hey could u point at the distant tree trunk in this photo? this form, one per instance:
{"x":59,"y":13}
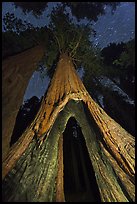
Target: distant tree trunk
{"x":16,"y":72}
{"x":111,"y":151}
{"x":118,"y":108}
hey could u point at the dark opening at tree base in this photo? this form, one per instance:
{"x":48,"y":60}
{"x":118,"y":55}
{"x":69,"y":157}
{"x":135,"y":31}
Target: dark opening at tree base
{"x":79,"y":178}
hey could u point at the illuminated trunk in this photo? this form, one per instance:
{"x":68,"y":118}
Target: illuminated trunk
{"x":59,"y":180}
{"x":32,"y":162}
{"x":16,"y":72}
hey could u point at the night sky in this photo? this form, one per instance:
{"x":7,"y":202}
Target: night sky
{"x":109,"y":28}
{"x":117,"y":27}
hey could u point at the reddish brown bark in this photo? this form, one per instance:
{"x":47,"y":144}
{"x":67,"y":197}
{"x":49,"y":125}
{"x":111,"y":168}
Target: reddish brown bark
{"x":16,"y":72}
{"x":60,"y":174}
{"x":119,"y":144}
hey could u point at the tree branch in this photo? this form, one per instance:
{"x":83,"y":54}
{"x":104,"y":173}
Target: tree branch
{"x":75,"y":48}
{"x":57,"y":40}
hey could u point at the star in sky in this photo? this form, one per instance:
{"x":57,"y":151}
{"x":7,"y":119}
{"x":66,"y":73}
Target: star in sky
{"x":37,"y":86}
{"x":117,"y":27}
{"x":109,"y":28}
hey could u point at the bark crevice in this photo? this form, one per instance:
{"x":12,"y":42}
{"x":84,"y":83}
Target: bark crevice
{"x":105,"y":140}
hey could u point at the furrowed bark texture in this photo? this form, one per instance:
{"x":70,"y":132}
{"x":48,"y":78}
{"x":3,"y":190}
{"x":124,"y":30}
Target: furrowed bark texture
{"x":60,"y":182}
{"x":111,"y":149}
{"x":16,"y":72}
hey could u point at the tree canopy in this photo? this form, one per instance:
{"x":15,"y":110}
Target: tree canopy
{"x":63,"y":35}
{"x":127,"y":57}
{"x":90,"y":10}
{"x":119,"y":59}
{"x":36,"y":7}
{"x":66,"y":36}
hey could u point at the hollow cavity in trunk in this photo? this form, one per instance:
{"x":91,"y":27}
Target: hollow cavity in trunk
{"x":79,"y":177}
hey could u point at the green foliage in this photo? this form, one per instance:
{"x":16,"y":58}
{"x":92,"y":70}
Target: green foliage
{"x":126,"y":64}
{"x":90,"y":10}
{"x":65,"y":33}
{"x":62,"y":35}
{"x":112,"y":52}
{"x":119,"y":59}
{"x":127,"y":58}
{"x":71,"y":38}
{"x":20,"y":35}
{"x":37,"y":8}
{"x":12,"y":23}
{"x":13,"y":43}
{"x":93,"y":68}
{"x":119,"y":62}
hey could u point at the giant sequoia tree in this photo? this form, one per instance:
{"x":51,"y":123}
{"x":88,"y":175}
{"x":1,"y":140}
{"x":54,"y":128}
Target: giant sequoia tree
{"x":35,"y":163}
{"x":15,"y":81}
{"x":23,"y":65}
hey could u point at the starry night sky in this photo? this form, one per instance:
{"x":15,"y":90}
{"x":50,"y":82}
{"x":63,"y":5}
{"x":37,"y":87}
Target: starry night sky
{"x":109,"y":28}
{"x":117,"y":27}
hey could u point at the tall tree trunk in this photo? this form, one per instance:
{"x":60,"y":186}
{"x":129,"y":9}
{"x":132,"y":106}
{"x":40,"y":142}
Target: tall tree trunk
{"x":60,"y":175}
{"x":124,"y":116}
{"x":111,"y":152}
{"x":16,"y":72}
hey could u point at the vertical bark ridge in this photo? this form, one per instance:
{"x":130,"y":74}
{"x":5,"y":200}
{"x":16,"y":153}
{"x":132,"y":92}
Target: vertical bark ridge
{"x":60,"y":179}
{"x":14,"y":83}
{"x":124,"y":178}
{"x":118,"y":144}
{"x":113,"y":139}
